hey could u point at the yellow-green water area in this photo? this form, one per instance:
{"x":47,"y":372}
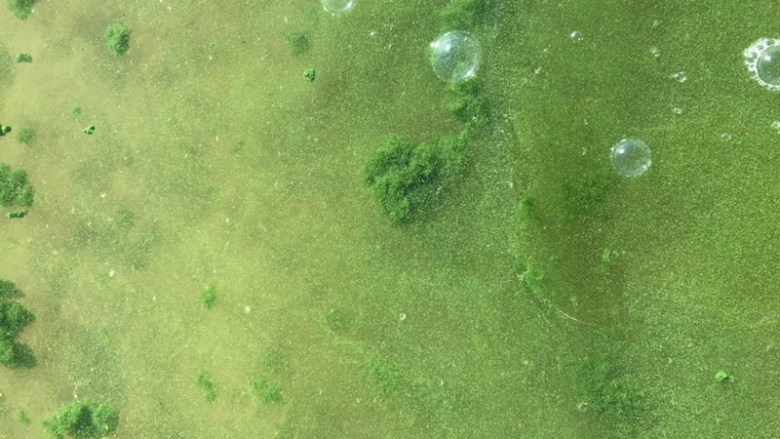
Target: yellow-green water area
{"x":216,"y":173}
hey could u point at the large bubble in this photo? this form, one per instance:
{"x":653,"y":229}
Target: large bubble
{"x":455,"y":56}
{"x":337,"y":7}
{"x":630,"y":157}
{"x":762,"y":60}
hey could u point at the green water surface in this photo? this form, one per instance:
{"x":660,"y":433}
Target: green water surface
{"x":211,"y":262}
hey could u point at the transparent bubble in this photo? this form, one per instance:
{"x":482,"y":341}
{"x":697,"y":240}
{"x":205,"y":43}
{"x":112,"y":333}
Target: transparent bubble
{"x":630,"y":157}
{"x":576,"y":36}
{"x":762,"y":60}
{"x":337,"y":7}
{"x":455,"y":56}
{"x":726,"y":137}
{"x":768,"y":65}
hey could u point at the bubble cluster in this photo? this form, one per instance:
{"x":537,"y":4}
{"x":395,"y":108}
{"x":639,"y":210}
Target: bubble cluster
{"x":337,"y":7}
{"x":630,"y":157}
{"x":455,"y":56}
{"x":762,"y":60}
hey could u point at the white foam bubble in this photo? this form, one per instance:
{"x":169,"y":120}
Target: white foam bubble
{"x":762,"y":60}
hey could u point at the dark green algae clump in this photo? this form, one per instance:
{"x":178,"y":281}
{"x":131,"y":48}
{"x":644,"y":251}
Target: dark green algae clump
{"x":406,"y":178}
{"x":82,"y":420}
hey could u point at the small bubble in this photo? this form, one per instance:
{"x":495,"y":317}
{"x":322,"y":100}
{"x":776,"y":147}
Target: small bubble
{"x":402,"y":317}
{"x":337,"y":7}
{"x":630,"y":157}
{"x":677,"y":110}
{"x":776,"y":126}
{"x":455,"y":56}
{"x":656,"y":52}
{"x":726,"y":137}
{"x":576,"y":36}
{"x":679,"y":77}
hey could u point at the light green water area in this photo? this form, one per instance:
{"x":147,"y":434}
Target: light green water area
{"x":539,"y":295}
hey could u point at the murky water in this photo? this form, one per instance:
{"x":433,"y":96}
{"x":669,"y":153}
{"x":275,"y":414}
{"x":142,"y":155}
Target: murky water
{"x":505,"y":310}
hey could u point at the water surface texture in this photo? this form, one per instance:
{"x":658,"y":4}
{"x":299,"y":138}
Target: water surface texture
{"x":540,"y":295}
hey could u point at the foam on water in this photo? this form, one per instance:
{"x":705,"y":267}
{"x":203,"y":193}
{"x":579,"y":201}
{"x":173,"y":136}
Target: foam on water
{"x":762,"y":60}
